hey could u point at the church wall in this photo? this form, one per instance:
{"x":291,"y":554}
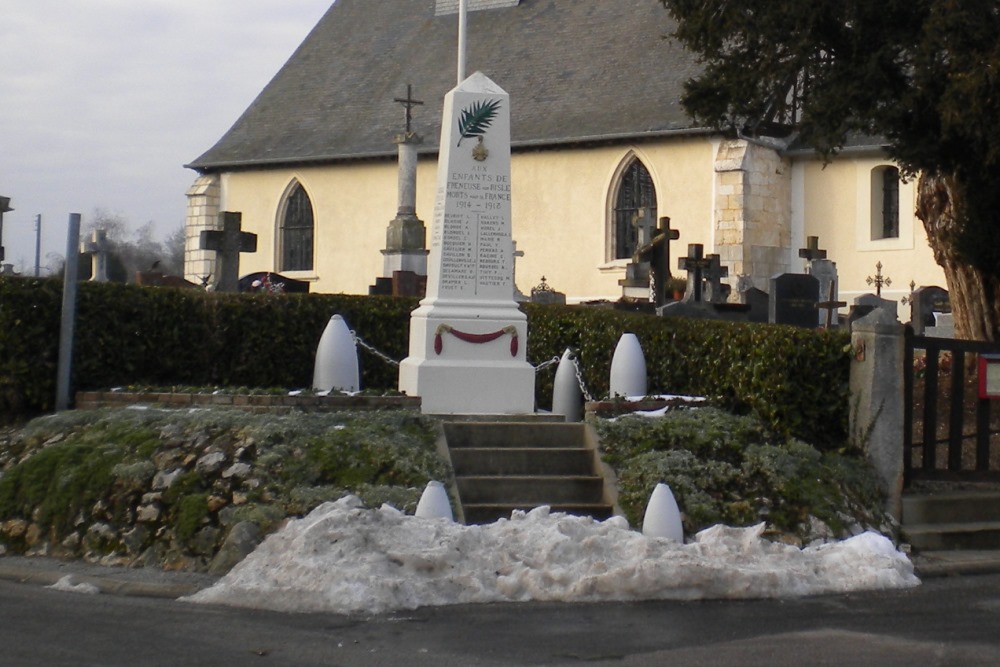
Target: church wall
{"x":838,"y":209}
{"x":561,"y":202}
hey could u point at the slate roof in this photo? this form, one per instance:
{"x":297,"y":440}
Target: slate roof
{"x":576,"y":70}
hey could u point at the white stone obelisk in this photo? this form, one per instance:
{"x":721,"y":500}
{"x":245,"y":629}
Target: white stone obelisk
{"x":468,"y":338}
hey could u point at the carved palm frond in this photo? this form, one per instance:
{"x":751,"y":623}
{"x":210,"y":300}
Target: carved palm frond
{"x":475,"y":120}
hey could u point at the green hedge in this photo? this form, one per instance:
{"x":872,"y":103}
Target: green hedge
{"x":794,"y":379}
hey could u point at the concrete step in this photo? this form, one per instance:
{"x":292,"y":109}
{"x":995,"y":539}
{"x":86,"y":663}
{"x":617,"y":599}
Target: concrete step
{"x":488,"y":513}
{"x":513,"y":434}
{"x":494,"y":461}
{"x":531,"y":490}
{"x":975,"y":535}
{"x":951,"y":507}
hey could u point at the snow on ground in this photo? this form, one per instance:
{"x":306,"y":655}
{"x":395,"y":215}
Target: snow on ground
{"x":344,"y":558}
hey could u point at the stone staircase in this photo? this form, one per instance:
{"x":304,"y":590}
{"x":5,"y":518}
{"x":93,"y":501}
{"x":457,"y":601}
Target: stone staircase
{"x":505,"y":466}
{"x":952,"y":520}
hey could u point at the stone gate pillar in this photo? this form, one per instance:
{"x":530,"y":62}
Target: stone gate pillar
{"x":876,"y":403}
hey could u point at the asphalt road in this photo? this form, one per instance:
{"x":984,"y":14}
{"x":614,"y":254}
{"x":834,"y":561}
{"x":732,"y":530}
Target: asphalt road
{"x":946,"y":621}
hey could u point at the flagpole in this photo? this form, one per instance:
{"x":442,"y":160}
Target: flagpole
{"x":462,"y":13}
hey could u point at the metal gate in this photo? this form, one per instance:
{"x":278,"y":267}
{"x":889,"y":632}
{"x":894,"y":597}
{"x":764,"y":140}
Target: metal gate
{"x":948,"y":433}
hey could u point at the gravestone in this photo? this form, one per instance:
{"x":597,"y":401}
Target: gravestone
{"x":944,"y":326}
{"x":825,"y":272}
{"x":98,"y":247}
{"x":543,"y":293}
{"x":924,"y":303}
{"x":793,"y":300}
{"x":468,"y":338}
{"x":268,"y":281}
{"x":228,"y":243}
{"x":759,"y":304}
{"x":866,"y":303}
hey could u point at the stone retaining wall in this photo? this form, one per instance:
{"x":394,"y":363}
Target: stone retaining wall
{"x":278,"y":403}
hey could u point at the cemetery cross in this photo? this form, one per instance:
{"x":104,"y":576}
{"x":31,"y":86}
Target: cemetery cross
{"x":812,"y":250}
{"x":830,"y":305}
{"x":409,"y":103}
{"x":98,"y":248}
{"x":228,"y":243}
{"x":695,"y":264}
{"x":879,"y":280}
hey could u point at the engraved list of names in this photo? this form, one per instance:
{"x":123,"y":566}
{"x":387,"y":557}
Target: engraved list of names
{"x":476,"y":248}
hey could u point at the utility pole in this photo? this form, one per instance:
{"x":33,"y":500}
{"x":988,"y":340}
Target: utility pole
{"x":38,"y":243}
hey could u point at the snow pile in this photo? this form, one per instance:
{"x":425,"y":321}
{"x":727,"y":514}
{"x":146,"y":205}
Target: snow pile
{"x":344,"y":558}
{"x":69,"y":585}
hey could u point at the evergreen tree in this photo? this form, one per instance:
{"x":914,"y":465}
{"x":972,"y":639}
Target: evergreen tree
{"x":922,"y":74}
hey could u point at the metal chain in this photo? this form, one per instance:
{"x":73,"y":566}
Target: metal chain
{"x":381,"y":355}
{"x":546,"y":364}
{"x":579,"y":379}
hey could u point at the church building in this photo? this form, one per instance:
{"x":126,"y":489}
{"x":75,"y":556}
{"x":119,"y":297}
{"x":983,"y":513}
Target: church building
{"x":601,"y":150}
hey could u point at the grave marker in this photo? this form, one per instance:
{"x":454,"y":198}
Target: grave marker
{"x":98,"y":248}
{"x":794,"y":298}
{"x":924,"y":304}
{"x":228,"y":243}
{"x":468,"y":338}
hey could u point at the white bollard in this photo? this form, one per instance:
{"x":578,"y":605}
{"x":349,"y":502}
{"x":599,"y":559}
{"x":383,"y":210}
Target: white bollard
{"x":628,"y":368}
{"x":567,"y":397}
{"x":336,"y":358}
{"x":434,"y":503}
{"x":663,"y":518}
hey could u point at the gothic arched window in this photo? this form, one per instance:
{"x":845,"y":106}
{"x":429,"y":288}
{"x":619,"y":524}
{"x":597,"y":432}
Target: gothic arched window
{"x":296,"y":231}
{"x":635,"y":209}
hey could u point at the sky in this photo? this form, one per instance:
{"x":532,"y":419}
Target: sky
{"x":347,"y":559}
{"x":102,"y":102}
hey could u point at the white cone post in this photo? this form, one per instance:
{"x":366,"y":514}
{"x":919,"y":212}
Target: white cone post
{"x":336,"y":359}
{"x":434,"y":503}
{"x":567,"y":398}
{"x":628,"y":368}
{"x":663,"y":518}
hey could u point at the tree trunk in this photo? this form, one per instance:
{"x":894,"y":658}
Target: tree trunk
{"x":943,"y":208}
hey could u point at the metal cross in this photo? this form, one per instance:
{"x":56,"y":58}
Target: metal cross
{"x":878,"y":280}
{"x":908,"y":299}
{"x":831,"y":305}
{"x":409,"y":103}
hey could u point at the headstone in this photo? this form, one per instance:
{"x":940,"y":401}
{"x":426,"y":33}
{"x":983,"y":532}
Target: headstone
{"x":655,"y":255}
{"x":468,"y":338}
{"x":701,"y":267}
{"x":793,"y":300}
{"x":759,"y":304}
{"x":268,"y":281}
{"x":944,"y":326}
{"x":825,"y":272}
{"x":98,"y":247}
{"x":228,"y":243}
{"x":866,"y":303}
{"x":924,"y":303}
{"x":543,"y":293}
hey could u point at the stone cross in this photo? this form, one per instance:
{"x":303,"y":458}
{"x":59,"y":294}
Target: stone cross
{"x":228,"y":243}
{"x":695,"y":264}
{"x":879,"y":280}
{"x":659,"y":259}
{"x":409,"y":103}
{"x":812,"y":250}
{"x":645,"y":227}
{"x":98,"y":248}
{"x":714,"y":274}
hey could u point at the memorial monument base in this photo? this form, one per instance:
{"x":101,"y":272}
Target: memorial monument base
{"x":468,"y":360}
